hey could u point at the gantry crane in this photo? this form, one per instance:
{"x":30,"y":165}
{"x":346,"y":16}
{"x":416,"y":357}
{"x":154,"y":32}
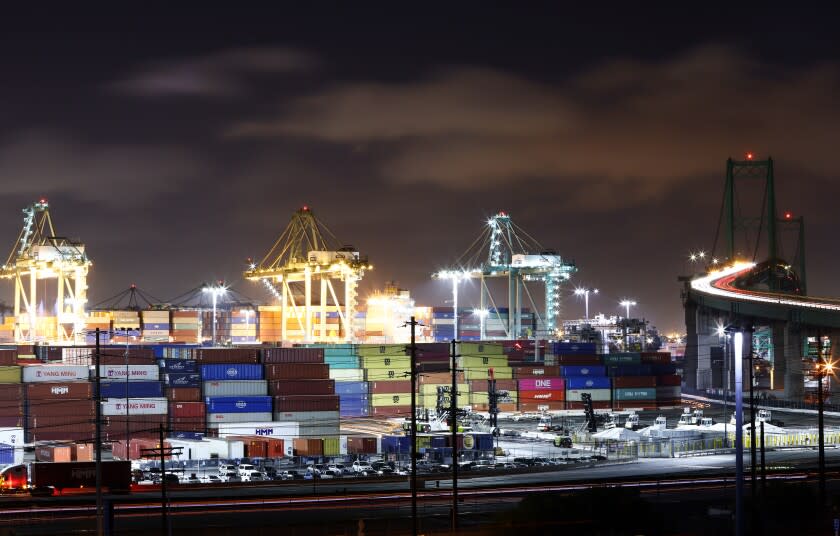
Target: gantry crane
{"x":39,"y":255}
{"x":308,"y":251}
{"x":505,"y":250}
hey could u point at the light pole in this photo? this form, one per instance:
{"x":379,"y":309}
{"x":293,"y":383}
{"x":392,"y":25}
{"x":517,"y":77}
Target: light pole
{"x":627,"y":304}
{"x":248,"y":313}
{"x":739,"y":434}
{"x":455,"y":277}
{"x":215,"y":291}
{"x":482,"y":318}
{"x":585,"y":293}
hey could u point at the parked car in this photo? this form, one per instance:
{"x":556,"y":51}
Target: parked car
{"x":211,"y":479}
{"x":245,"y":468}
{"x":226,"y":468}
{"x":360,"y":467}
{"x":191,"y":479}
{"x":230,"y":477}
{"x":291,"y":474}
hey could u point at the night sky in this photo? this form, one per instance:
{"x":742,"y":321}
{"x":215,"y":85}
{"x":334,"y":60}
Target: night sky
{"x":177,"y":143}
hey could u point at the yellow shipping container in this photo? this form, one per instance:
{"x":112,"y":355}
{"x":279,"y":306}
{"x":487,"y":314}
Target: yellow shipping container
{"x":389,"y":399}
{"x":467,"y":362}
{"x":383,"y":374}
{"x":332,"y":446}
{"x":430,"y":401}
{"x":381,"y":350}
{"x":481,"y":348}
{"x":500,"y":373}
{"x":378,"y":362}
{"x":431,"y":388}
{"x":10,"y":374}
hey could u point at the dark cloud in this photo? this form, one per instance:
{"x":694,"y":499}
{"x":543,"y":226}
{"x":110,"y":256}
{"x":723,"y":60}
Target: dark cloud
{"x":213,"y":75}
{"x":40,"y":163}
{"x":645,"y":126}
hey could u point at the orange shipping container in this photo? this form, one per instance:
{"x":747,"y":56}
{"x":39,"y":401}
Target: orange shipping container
{"x":54,"y":454}
{"x":84,"y":452}
{"x":308,"y":447}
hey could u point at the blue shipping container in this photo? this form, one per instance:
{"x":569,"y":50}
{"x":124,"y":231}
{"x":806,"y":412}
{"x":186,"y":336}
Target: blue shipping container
{"x":587,"y":382}
{"x":396,"y":444}
{"x":183,"y":379}
{"x":238,"y":404}
{"x":631,"y":370}
{"x":7,"y":454}
{"x":351,"y":388}
{"x":231,"y":371}
{"x":178,"y":365}
{"x":354,"y":412}
{"x":135,"y":389}
{"x":571,"y":348}
{"x":156,"y":326}
{"x":187,"y":435}
{"x":584,"y":370}
{"x":439,"y":441}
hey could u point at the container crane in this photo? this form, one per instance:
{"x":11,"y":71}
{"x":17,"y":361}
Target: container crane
{"x":505,"y":250}
{"x":40,"y":254}
{"x":306,"y":252}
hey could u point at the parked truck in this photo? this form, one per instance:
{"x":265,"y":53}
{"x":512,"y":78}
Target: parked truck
{"x":60,"y":477}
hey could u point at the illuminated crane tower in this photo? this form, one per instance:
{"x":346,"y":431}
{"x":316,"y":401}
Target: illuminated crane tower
{"x":39,"y":255}
{"x":306,"y":252}
{"x":505,"y":250}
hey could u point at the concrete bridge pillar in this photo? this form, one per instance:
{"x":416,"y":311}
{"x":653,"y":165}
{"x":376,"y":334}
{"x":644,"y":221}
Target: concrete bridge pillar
{"x":787,"y":360}
{"x":690,"y":360}
{"x":700,"y":337}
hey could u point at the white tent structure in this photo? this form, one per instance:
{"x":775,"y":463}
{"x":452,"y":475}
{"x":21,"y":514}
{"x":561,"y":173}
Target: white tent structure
{"x":617,"y":434}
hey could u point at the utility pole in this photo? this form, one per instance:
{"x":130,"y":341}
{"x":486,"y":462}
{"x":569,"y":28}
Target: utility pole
{"x":763,"y":466}
{"x":453,"y":412}
{"x":98,"y":415}
{"x":821,"y":368}
{"x":413,"y":349}
{"x":162,"y":452}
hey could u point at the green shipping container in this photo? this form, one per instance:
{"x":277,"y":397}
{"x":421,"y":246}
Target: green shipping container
{"x":623,"y":358}
{"x":332,"y":446}
{"x":388,"y":399}
{"x":394,"y":350}
{"x":480,"y":348}
{"x":467,"y":362}
{"x":430,"y":401}
{"x":386,"y":362}
{"x":10,"y":374}
{"x":635,"y":393}
{"x":385,"y":374}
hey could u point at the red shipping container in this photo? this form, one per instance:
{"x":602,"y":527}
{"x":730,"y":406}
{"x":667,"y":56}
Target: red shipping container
{"x":536,"y":371}
{"x":120,"y":360}
{"x":596,"y":404}
{"x":293,"y":355}
{"x":187,"y":409}
{"x":25,"y":349}
{"x":670,"y":380}
{"x":390,"y":411}
{"x":67,"y":432}
{"x":577,"y":359}
{"x":84,"y":452}
{"x":276,"y":447}
{"x":297,"y":371}
{"x":301,"y":387}
{"x":54,"y":453}
{"x":183,"y":394}
{"x":436,"y":377}
{"x":226,"y":355}
{"x":542,"y":396}
{"x":306,"y":403}
{"x":663,"y":358}
{"x":187,"y":424}
{"x":388,"y":387}
{"x":12,"y":421}
{"x":11,"y":408}
{"x":59,"y":391}
{"x":8,"y":357}
{"x":136,"y":447}
{"x":539,"y":406}
{"x":361,"y":445}
{"x":480,"y":386}
{"x":63,"y":408}
{"x":308,"y":447}
{"x":633,"y":381}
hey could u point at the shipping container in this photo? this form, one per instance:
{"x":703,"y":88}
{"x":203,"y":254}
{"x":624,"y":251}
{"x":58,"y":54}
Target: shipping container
{"x":66,"y":390}
{"x":468,"y":362}
{"x":385,"y":387}
{"x":391,"y":399}
{"x":297,"y":371}
{"x":542,"y":405}
{"x":184,"y":394}
{"x":55,"y":373}
{"x":634,"y":393}
{"x":573,"y":348}
{"x":226,"y":355}
{"x":236,"y":388}
{"x":500,"y":373}
{"x":598,"y":395}
{"x":622,"y":358}
{"x":60,"y":407}
{"x":353,"y":374}
{"x":146,"y":406}
{"x":84,"y":452}
{"x":588,"y":382}
{"x":668,"y":392}
{"x":301,"y":387}
{"x":293,"y":355}
{"x":633,"y":381}
{"x":631,"y":370}
{"x":584,"y":370}
{"x":238,"y":404}
{"x":178,"y":365}
{"x":133,"y":372}
{"x":8,"y":357}
{"x":10,"y":374}
{"x":670,"y":380}
{"x":231,"y":371}
{"x":350,"y":388}
{"x":131,"y":389}
{"x":51,"y":453}
{"x":308,"y":447}
{"x":480,"y":348}
{"x":535,"y":371}
{"x":539,"y":396}
{"x":578,"y":359}
{"x":596,"y":404}
{"x":114,"y":475}
{"x":501,"y":385}
{"x":541,"y":384}
{"x":361,"y":445}
{"x":11,"y":391}
{"x":213,"y":419}
{"x":183,"y":379}
{"x":187,"y":409}
{"x":306,"y":403}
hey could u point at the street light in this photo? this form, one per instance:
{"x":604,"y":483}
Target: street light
{"x":482,"y":318}
{"x":247,"y":313}
{"x":627,"y":304}
{"x":215,"y":291}
{"x":585,"y":293}
{"x":455,"y":276}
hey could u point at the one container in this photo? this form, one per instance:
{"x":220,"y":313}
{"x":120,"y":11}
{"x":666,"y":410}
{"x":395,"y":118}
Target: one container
{"x":11,"y":391}
{"x":231,"y":371}
{"x":61,"y":408}
{"x":308,"y":447}
{"x":350,"y":388}
{"x":393,"y":399}
{"x":10,"y":374}
{"x":633,"y":381}
{"x":622,"y":358}
{"x":54,"y":453}
{"x":468,"y":362}
{"x":178,"y":365}
{"x":238,"y":404}
{"x":635,"y":393}
{"x":403,"y":386}
{"x":184,"y":394}
{"x":670,"y":380}
{"x":541,"y":384}
{"x":236,"y":388}
{"x":213,"y":419}
{"x":293,"y":355}
{"x":539,"y":396}
{"x":183,"y":379}
{"x":535,"y":371}
{"x":361,"y":445}
{"x":187,"y":409}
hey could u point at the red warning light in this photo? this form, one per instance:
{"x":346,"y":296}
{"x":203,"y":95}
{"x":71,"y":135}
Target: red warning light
{"x":749,"y":156}
{"x":43,"y":201}
{"x":788,"y":215}
{"x":305,"y":208}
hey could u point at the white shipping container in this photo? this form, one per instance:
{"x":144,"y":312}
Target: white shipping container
{"x":347,"y":375}
{"x":15,"y":438}
{"x":265,"y":429}
{"x":52,"y":373}
{"x":342,"y":445}
{"x":236,"y":388}
{"x":598,"y":395}
{"x":307,"y":418}
{"x":214,"y":419}
{"x":192,"y":449}
{"x":146,"y":373}
{"x":226,"y":449}
{"x":134,"y":406}
{"x":156,"y":333}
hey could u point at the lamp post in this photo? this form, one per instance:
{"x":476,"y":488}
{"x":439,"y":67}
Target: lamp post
{"x":627,"y":304}
{"x":455,"y":277}
{"x":248,"y":313}
{"x":739,"y":434}
{"x":482,"y":318}
{"x":824,"y":368}
{"x":215,"y":291}
{"x":585,"y":293}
